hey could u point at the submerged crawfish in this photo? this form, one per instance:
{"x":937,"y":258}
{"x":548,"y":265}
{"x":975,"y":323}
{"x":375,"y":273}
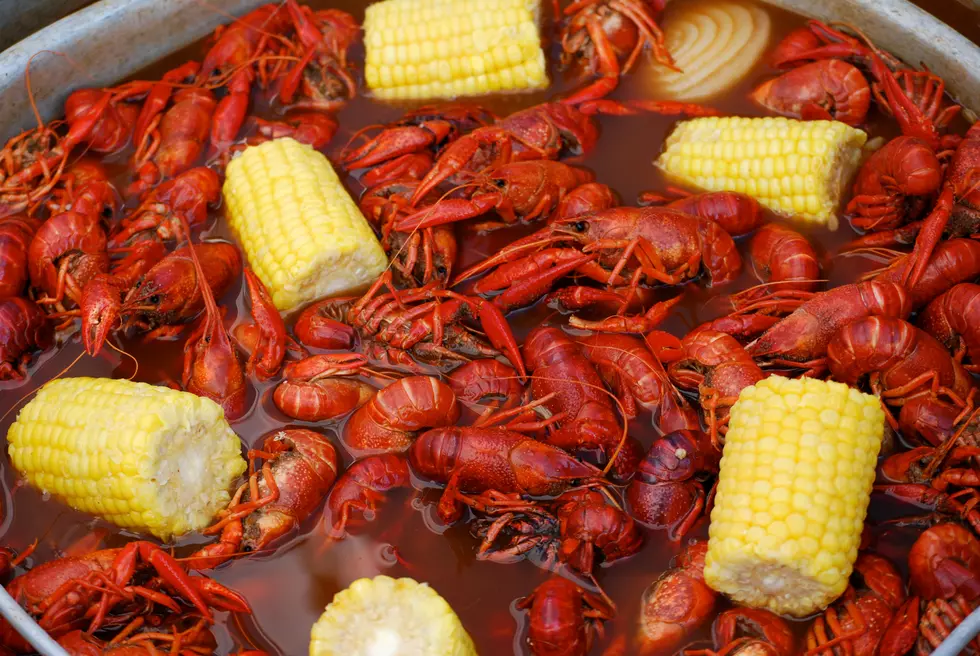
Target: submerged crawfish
{"x":70,"y":592}
{"x":299,"y":468}
{"x":630,"y":245}
{"x":428,"y":322}
{"x":599,"y":33}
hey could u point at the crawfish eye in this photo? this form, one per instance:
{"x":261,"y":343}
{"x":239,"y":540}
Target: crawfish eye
{"x":155,"y":299}
{"x":441,"y":270}
{"x":580,"y":226}
{"x":500,"y":183}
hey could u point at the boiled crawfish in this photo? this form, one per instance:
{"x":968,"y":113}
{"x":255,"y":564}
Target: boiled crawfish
{"x":413,"y":139}
{"x":65,"y":593}
{"x":321,"y":387}
{"x":676,"y":604}
{"x":562,"y":618}
{"x":24,"y":329}
{"x":391,"y":419}
{"x":858,"y":620}
{"x":362,"y":487}
{"x":299,"y":468}
{"x":668,"y":490}
{"x":582,"y":411}
{"x":598,"y":33}
{"x":480,"y":460}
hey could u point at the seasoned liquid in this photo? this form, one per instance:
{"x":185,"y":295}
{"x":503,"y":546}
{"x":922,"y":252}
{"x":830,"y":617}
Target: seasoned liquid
{"x":289,"y":586}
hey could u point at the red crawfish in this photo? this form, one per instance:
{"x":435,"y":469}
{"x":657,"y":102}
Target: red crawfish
{"x":668,"y":489}
{"x":322,"y":387}
{"x":477,"y":460}
{"x":427,"y":319}
{"x":582,"y":411}
{"x":177,"y":142}
{"x":913,"y":123}
{"x":649,"y":244}
{"x":486,"y":383}
{"x":785,"y":263}
{"x":894,"y":185}
{"x":363,"y":486}
{"x":69,"y":249}
{"x":750,"y":632}
{"x":24,"y":329}
{"x":391,"y":419}
{"x":146,"y":132}
{"x":954,"y":261}
{"x":197,"y":638}
{"x":924,"y":625}
{"x":300,"y":466}
{"x":419,"y":256}
{"x":544,"y":131}
{"x":317,"y":328}
{"x":677,"y":604}
{"x":16,"y":234}
{"x":801,"y":339}
{"x":267,"y":354}
{"x":737,"y":214}
{"x":112,"y":122}
{"x":950,"y":319}
{"x":590,"y":524}
{"x":185,"y":198}
{"x":311,"y":128}
{"x":628,"y":366}
{"x":940,"y":467}
{"x":422,"y":132}
{"x":164,"y":296}
{"x":323,"y":79}
{"x":230,"y":61}
{"x":819,"y":41}
{"x":65,"y":591}
{"x":900,"y":360}
{"x":857,"y":621}
{"x":716,"y":366}
{"x":829,"y":89}
{"x":962,"y":176}
{"x":517,"y":191}
{"x":562,"y":618}
{"x":944,"y":562}
{"x":211,"y":365}
{"x":599,"y":33}
{"x":934,"y":420}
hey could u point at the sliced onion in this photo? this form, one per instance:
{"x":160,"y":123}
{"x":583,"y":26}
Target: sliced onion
{"x":715,"y":43}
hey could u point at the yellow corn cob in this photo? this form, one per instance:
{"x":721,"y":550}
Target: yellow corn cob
{"x":427,"y":49}
{"x":303,"y":235}
{"x":795,"y":168}
{"x":142,"y":457}
{"x":795,"y":481}
{"x":389,"y":617}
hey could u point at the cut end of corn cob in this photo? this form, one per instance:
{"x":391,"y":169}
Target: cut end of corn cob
{"x":793,"y":492}
{"x":389,"y":617}
{"x":146,"y":458}
{"x":303,"y":234}
{"x":795,"y":168}
{"x":443,"y":49}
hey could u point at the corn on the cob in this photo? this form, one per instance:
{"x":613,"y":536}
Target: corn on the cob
{"x":795,"y":481}
{"x":795,"y":168}
{"x":429,"y":49}
{"x":303,"y":235}
{"x":142,"y":457}
{"x":387,"y":616}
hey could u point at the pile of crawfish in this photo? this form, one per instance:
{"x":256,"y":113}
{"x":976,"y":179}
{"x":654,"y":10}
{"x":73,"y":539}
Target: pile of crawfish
{"x":529,"y":441}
